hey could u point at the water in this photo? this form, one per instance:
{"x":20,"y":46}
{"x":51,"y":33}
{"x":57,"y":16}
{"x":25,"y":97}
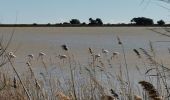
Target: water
{"x":32,"y":40}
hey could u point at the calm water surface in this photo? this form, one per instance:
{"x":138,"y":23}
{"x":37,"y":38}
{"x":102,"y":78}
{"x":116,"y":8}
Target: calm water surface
{"x":32,"y":40}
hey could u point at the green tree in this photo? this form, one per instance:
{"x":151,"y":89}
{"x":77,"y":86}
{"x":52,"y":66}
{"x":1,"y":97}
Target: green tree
{"x":142,"y":21}
{"x":99,"y":21}
{"x":74,"y":21}
{"x":92,"y":21}
{"x":160,"y":22}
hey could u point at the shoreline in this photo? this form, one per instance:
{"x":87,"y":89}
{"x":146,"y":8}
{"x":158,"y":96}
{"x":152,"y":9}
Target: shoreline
{"x":59,"y":25}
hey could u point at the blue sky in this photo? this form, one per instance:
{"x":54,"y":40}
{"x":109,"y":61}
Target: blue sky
{"x":53,"y":11}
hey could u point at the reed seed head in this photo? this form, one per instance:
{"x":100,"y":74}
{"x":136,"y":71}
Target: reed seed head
{"x":62,"y":56}
{"x":97,"y":55}
{"x":115,"y":53}
{"x":107,"y":97}
{"x":136,"y":97}
{"x":90,"y":50}
{"x":105,"y":51}
{"x":14,"y":83}
{"x":64,"y":47}
{"x":42,"y":54}
{"x":150,"y":89}
{"x":137,"y":53}
{"x":11,"y":55}
{"x":114,"y":93}
{"x":62,"y":96}
{"x":31,"y":56}
{"x":28,"y":63}
{"x":119,"y":41}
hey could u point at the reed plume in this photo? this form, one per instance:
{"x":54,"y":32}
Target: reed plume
{"x":119,"y":41}
{"x":107,"y":97}
{"x":64,"y":47}
{"x":90,"y":51}
{"x":137,"y":53}
{"x":62,"y":96}
{"x":114,"y":94}
{"x":150,"y":89}
{"x":136,"y":97}
{"x":14,"y":83}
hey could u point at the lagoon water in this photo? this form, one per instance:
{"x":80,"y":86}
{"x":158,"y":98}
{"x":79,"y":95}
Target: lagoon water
{"x":32,"y":40}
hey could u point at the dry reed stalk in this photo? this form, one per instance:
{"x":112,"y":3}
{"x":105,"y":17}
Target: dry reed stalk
{"x":4,"y":52}
{"x":65,"y":48}
{"x":149,"y":57}
{"x":164,"y":81}
{"x":156,"y":65}
{"x":152,"y":61}
{"x":44,"y":64}
{"x":5,"y":83}
{"x":160,"y":33}
{"x":150,"y":89}
{"x":97,"y":84}
{"x":160,"y":75}
{"x":37,"y":85}
{"x":126,"y":67}
{"x":30,"y":69}
{"x":22,"y":84}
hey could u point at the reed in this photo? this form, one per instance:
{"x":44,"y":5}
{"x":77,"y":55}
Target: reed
{"x":106,"y":76}
{"x":150,"y":89}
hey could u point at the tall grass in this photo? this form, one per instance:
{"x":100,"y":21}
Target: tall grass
{"x":103,"y":77}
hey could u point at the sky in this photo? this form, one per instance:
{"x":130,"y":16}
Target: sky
{"x":56,"y":11}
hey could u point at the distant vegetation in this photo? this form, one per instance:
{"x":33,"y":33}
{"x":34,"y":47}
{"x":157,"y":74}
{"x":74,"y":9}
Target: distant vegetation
{"x":74,"y":21}
{"x":98,"y":21}
{"x":136,"y":21}
{"x":142,"y":21}
{"x":161,"y":22}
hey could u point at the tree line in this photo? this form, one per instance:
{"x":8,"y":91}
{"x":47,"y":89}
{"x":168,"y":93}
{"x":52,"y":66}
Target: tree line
{"x":92,"y":21}
{"x":144,"y":21}
{"x":137,"y":21}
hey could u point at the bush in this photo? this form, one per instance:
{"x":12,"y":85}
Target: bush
{"x":160,"y":22}
{"x":74,"y":21}
{"x":142,"y":21}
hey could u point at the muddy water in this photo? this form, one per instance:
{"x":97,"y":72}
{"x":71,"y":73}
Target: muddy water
{"x":32,"y":40}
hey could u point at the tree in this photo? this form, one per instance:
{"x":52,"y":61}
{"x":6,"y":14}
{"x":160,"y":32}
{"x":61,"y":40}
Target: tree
{"x":142,"y":21}
{"x":160,"y":22}
{"x":92,"y":21}
{"x":34,"y":23}
{"x":74,"y":21}
{"x":99,"y":21}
